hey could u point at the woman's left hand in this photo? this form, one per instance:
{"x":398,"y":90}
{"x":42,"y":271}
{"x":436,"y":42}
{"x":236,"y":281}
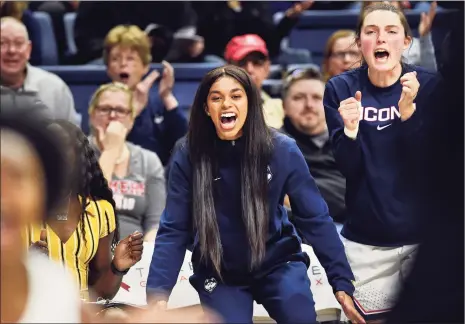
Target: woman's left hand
{"x":348,"y":307}
{"x":410,"y":86}
{"x":166,"y":84}
{"x":129,"y":251}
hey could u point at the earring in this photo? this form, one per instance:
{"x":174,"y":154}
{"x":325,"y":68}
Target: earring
{"x":208,"y":114}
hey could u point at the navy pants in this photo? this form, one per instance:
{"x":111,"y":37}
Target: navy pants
{"x":284,"y":292}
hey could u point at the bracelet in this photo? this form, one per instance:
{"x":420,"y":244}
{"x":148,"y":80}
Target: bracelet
{"x":116,"y":272}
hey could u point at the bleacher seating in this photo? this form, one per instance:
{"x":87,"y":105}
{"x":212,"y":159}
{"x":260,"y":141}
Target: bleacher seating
{"x":84,"y":80}
{"x":314,"y":28}
{"x":49,"y":48}
{"x":311,"y":32}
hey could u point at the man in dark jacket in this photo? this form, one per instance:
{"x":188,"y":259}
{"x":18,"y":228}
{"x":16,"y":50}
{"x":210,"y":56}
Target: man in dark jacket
{"x":305,"y":122}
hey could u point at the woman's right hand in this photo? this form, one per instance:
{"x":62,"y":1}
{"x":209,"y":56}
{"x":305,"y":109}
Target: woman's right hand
{"x":41,"y":245}
{"x":114,"y":137}
{"x":349,"y":110}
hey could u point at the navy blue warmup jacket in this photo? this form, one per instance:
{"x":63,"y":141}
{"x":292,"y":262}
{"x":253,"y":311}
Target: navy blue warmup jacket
{"x":382,"y":193}
{"x":288,"y":173}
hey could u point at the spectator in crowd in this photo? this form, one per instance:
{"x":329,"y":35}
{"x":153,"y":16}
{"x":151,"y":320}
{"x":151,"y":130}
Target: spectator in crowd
{"x":135,"y":175}
{"x":188,"y":49}
{"x":160,"y":121}
{"x":82,"y":231}
{"x":376,"y":116}
{"x":57,"y":11}
{"x":33,"y":289}
{"x":18,"y":10}
{"x":95,"y":19}
{"x":220,"y":21}
{"x":341,"y":54}
{"x":18,"y":74}
{"x":305,"y":122}
{"x":251,"y":53}
{"x":421,"y":50}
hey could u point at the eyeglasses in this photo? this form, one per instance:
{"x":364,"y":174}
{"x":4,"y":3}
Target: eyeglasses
{"x":342,"y":55}
{"x":106,"y":111}
{"x":17,"y":44}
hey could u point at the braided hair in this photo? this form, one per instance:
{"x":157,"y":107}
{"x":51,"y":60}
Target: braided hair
{"x":86,"y":175}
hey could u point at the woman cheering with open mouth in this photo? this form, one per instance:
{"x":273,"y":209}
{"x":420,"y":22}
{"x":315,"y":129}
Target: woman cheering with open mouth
{"x":225,"y":195}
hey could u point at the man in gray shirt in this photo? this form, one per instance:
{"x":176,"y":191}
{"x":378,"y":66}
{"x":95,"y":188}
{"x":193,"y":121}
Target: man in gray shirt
{"x":18,"y":75}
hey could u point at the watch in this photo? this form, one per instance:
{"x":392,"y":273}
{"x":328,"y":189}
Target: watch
{"x":116,"y":271}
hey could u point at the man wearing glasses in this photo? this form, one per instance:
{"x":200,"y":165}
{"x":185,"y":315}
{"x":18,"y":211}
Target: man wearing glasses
{"x":18,"y":75}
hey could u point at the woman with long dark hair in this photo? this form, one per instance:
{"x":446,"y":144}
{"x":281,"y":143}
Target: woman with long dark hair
{"x":82,"y":232}
{"x":225,"y":195}
{"x":376,"y":115}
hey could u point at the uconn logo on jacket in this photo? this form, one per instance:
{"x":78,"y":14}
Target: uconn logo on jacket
{"x":372,"y":114}
{"x":381,"y":117}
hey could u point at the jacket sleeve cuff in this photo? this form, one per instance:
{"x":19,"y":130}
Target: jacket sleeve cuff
{"x":352,"y":134}
{"x":345,"y":286}
{"x":156,"y":295}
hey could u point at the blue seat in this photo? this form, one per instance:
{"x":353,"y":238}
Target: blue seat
{"x":69,"y":19}
{"x":276,"y":72}
{"x":273,"y":88}
{"x":48,"y":48}
{"x":84,"y":80}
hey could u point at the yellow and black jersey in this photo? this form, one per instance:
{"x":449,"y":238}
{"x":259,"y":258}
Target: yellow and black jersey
{"x":76,"y":253}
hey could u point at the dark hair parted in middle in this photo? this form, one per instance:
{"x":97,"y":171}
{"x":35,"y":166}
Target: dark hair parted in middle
{"x":255,"y":155}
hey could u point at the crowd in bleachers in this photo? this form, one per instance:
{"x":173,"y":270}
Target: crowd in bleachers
{"x":126,"y":73}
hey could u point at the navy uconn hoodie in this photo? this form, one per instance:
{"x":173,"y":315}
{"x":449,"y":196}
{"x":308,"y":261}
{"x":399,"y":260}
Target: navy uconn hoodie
{"x":287,"y":174}
{"x":382,"y":193}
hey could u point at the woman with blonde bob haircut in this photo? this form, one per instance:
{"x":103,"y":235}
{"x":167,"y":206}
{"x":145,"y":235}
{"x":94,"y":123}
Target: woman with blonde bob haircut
{"x":159,"y":120}
{"x":135,"y":175}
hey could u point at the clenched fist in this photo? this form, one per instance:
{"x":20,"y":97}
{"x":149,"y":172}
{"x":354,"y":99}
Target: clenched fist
{"x":410,"y":86}
{"x":114,"y":137}
{"x":349,"y":109}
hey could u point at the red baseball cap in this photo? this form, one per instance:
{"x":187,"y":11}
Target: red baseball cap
{"x":240,"y":46}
